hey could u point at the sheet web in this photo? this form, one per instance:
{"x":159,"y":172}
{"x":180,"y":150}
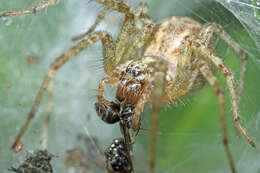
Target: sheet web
{"x":189,"y":135}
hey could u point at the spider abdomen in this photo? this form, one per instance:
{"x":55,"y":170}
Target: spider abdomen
{"x":168,"y":42}
{"x":168,"y":36}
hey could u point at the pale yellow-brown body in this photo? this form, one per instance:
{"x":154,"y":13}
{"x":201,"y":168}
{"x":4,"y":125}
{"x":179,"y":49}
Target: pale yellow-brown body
{"x":168,"y":43}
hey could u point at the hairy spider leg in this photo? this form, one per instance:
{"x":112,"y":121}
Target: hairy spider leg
{"x":124,"y":36}
{"x":159,"y":81}
{"x":137,"y":24}
{"x":219,"y":63}
{"x":117,"y":5}
{"x":100,"y":17}
{"x":59,"y":62}
{"x":184,"y":63}
{"x":123,"y":45}
{"x":142,"y":32}
{"x":157,"y":97}
{"x":101,"y":87}
{"x":213,"y":81}
{"x":207,"y":32}
{"x":126,"y":29}
{"x":31,"y":11}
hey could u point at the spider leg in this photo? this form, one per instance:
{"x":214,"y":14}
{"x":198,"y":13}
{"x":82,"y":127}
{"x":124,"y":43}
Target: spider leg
{"x":117,"y":5}
{"x":93,"y":27}
{"x":137,"y":24}
{"x":59,"y":62}
{"x":206,"y":35}
{"x":123,"y":37}
{"x":213,"y":81}
{"x":142,"y":32}
{"x":127,"y":28}
{"x":175,"y":90}
{"x":101,"y":87}
{"x":205,"y":52}
{"x":159,"y":83}
{"x":31,"y":11}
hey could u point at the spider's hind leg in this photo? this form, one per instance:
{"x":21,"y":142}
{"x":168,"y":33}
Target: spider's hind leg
{"x":30,"y":11}
{"x":206,"y":34}
{"x":206,"y":53}
{"x":212,"y":80}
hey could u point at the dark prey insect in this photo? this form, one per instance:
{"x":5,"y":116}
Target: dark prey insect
{"x":117,"y":160}
{"x":177,"y":56}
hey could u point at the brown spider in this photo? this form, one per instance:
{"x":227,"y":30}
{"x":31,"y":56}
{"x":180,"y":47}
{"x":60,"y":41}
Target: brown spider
{"x":177,"y":56}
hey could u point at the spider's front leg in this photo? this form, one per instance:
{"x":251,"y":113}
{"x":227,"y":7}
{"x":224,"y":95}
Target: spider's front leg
{"x":137,"y":24}
{"x":108,"y":111}
{"x":117,"y":5}
{"x":31,"y":11}
{"x":108,"y":52}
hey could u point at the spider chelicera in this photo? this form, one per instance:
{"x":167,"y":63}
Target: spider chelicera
{"x":177,"y":56}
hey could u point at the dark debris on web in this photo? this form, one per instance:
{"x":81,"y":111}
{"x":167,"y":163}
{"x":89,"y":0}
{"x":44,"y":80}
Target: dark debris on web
{"x":39,"y":162}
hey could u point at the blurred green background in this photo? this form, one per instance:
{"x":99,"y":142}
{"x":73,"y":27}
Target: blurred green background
{"x":190,"y":139}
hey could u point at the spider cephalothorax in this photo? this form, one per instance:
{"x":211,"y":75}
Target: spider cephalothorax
{"x":132,"y":82}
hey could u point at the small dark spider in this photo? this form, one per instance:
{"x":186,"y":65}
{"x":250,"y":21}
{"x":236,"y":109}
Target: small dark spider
{"x":117,"y":160}
{"x":177,"y":56}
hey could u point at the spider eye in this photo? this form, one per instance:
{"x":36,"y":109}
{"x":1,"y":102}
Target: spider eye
{"x":132,"y":71}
